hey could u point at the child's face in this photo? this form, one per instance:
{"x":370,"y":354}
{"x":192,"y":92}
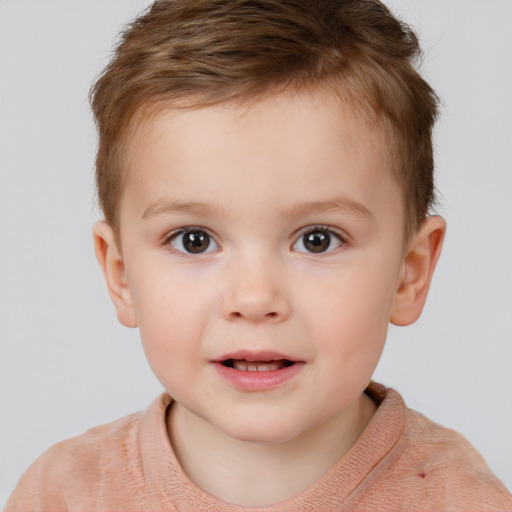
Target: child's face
{"x":254,"y":238}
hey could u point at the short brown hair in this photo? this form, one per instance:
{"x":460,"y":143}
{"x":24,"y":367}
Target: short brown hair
{"x":209,"y":51}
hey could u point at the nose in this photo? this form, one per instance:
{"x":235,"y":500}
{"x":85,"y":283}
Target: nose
{"x":255,"y":293}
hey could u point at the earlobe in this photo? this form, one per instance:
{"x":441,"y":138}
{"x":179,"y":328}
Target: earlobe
{"x":418,"y":268}
{"x":111,"y":262}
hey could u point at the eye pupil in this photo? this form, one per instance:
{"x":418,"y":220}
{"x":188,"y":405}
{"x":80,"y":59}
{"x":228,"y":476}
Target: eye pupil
{"x":196,"y":241}
{"x":317,"y":241}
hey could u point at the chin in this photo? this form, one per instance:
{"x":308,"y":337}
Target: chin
{"x":259,"y":432}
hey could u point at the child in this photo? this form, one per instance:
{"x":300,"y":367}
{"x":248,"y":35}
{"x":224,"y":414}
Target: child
{"x":265,"y":172}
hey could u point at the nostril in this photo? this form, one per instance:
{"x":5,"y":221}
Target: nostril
{"x":270,"y":316}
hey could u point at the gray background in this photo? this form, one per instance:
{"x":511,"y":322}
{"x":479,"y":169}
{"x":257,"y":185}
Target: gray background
{"x":65,"y":362}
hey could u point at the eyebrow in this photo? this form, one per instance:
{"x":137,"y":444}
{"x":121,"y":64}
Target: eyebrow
{"x":180,"y":207}
{"x":343,"y":204}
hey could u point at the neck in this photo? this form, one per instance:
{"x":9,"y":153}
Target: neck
{"x":257,"y":475}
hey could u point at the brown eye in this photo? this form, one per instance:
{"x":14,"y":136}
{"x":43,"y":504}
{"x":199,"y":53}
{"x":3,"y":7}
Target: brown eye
{"x":193,"y":241}
{"x":318,"y":241}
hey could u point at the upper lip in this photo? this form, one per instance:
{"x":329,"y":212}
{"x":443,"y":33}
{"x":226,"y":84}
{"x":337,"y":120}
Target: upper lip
{"x":258,"y":355}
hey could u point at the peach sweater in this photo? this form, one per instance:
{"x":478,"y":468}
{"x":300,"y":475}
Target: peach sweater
{"x":401,"y":462}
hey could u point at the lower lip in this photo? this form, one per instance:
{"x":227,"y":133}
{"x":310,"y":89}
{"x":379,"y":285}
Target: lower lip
{"x":258,"y":381}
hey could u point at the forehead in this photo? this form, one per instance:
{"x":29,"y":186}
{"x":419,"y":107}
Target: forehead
{"x":283,"y":149}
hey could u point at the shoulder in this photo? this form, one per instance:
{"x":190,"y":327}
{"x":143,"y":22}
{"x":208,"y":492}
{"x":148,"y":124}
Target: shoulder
{"x":426,"y":466}
{"x":70,"y":473}
{"x":441,"y":448}
{"x":444,"y":463}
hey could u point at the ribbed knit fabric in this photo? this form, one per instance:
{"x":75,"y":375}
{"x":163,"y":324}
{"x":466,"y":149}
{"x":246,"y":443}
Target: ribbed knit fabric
{"x":401,"y":462}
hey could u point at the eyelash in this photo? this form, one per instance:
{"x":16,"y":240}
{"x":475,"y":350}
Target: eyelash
{"x":310,"y":229}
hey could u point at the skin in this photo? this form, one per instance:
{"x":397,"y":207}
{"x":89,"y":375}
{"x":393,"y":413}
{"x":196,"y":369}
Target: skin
{"x":256,"y":180}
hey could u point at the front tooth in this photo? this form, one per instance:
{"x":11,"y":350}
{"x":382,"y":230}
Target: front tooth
{"x":258,"y":366}
{"x":240,"y":365}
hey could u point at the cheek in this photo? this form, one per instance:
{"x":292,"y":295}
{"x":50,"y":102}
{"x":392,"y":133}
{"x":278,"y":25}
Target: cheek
{"x":350,"y":317}
{"x":170,"y":332}
{"x":167,"y":298}
{"x":351,"y":331}
{"x":172,"y":316}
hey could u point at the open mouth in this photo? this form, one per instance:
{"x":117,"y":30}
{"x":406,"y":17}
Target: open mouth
{"x":257,"y":371}
{"x":257,"y":366}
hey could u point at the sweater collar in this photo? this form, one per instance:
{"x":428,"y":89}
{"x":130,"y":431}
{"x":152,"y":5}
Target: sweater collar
{"x":167,"y":486}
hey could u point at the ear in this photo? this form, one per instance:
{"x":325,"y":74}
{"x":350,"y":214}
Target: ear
{"x":111,"y":262}
{"x":419,"y":263}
